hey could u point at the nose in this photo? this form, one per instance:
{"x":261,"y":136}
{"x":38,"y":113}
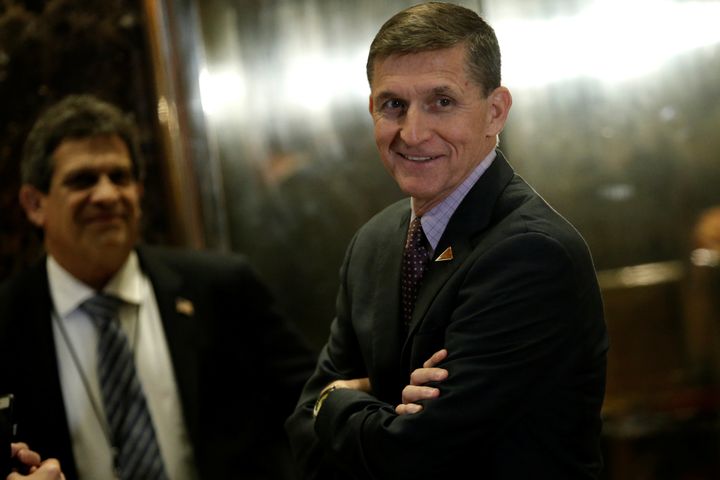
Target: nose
{"x":416,"y":127}
{"x":105,"y":190}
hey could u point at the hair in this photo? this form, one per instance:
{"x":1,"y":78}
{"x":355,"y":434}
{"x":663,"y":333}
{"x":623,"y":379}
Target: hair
{"x":434,"y":26}
{"x":75,"y":117}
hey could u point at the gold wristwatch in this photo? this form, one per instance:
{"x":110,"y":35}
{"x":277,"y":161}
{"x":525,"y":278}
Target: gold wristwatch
{"x":321,"y":398}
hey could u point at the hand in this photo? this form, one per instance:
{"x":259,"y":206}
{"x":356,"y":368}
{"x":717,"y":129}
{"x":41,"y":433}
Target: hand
{"x":24,"y":456}
{"x":362,"y":384}
{"x":47,"y":470}
{"x":417,"y":390}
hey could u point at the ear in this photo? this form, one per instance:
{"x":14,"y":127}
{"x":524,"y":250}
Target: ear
{"x":499,"y":103}
{"x":33,"y":202}
{"x":370,"y":104}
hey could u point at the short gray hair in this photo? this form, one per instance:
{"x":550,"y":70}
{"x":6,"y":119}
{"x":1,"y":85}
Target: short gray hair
{"x":434,"y":26}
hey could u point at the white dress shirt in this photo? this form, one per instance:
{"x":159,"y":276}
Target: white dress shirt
{"x":76,"y":343}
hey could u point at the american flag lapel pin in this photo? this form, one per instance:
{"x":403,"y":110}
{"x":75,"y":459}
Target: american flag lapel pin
{"x":184,"y":306}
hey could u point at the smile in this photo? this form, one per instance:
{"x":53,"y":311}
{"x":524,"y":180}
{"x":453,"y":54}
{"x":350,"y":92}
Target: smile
{"x":109,"y":218}
{"x":414,"y":158}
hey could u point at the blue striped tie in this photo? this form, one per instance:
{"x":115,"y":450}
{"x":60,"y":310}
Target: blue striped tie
{"x":137,"y":454}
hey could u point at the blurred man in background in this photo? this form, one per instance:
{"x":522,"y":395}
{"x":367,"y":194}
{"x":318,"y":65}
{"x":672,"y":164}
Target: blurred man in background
{"x":132,"y":355}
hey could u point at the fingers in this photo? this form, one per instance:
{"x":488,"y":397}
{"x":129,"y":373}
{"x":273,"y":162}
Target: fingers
{"x":417,"y":390}
{"x":408,"y":408}
{"x":429,"y":372}
{"x":17,"y":446}
{"x":26,"y":456}
{"x":48,"y":470}
{"x":436,"y":358}
{"x":421,"y":376}
{"x":413,"y":393}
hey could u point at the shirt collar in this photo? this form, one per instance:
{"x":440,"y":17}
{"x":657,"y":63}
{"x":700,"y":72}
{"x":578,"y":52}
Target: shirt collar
{"x":435,"y":220}
{"x":68,"y":292}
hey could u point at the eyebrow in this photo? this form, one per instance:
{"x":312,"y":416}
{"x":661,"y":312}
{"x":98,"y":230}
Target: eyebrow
{"x":72,"y":175}
{"x":442,"y":90}
{"x":98,"y":170}
{"x":387,"y":94}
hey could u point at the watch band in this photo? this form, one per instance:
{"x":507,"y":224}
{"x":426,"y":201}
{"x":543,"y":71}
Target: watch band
{"x":321,"y":398}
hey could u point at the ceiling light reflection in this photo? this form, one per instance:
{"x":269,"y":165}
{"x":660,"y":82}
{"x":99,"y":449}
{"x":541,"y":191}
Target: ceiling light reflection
{"x":221,"y":91}
{"x":611,"y":40}
{"x":312,"y":82}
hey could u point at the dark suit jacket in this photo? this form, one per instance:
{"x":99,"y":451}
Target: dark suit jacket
{"x":239,"y":366}
{"x":519,"y":310}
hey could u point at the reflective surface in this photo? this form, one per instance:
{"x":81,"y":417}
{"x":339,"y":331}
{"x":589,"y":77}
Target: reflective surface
{"x":616,"y":109}
{"x":262,"y":107}
{"x":615,"y":122}
{"x":286,"y":101}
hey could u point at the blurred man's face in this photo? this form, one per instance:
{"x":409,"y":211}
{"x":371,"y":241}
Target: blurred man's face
{"x":433,"y":124}
{"x":91,"y":213}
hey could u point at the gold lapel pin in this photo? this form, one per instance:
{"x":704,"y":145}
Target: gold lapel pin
{"x":445,"y":255}
{"x":184,"y":306}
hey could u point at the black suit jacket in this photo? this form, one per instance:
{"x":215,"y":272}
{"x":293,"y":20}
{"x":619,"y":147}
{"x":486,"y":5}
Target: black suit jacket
{"x":239,"y":366}
{"x":518,"y":309}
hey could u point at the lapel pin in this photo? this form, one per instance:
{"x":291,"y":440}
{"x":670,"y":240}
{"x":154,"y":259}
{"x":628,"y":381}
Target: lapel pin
{"x":445,"y":255}
{"x":184,"y":306}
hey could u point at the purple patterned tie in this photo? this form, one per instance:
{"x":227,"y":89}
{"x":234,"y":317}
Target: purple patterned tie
{"x":414,"y":264}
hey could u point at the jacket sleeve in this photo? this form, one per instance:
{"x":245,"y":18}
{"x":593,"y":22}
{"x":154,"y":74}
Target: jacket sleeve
{"x":513,"y":320}
{"x":340,"y":358}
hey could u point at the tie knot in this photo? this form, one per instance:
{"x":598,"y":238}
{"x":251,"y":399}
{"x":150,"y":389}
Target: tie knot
{"x":416,"y":235}
{"x":102,"y":308}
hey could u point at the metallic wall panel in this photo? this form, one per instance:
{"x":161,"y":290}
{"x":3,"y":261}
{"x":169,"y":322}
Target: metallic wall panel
{"x":286,"y":100}
{"x":191,"y":160}
{"x":616,"y":110}
{"x":614,"y":121}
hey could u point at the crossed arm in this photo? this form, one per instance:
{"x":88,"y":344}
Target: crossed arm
{"x":415,"y":391}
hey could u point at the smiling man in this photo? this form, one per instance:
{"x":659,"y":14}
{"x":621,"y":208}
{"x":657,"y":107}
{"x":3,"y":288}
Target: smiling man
{"x":433,"y":124}
{"x":119,"y":354}
{"x":91,"y":211}
{"x":469,"y":334}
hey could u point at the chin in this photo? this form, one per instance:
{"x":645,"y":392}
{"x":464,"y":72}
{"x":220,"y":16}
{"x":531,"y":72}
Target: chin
{"x":113,"y":237}
{"x":417,"y":189}
{"x":110,"y":257}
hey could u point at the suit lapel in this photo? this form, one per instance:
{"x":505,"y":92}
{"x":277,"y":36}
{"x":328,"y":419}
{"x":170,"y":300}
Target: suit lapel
{"x":45,"y":424}
{"x":183,"y":331}
{"x":473,"y":215}
{"x":388,"y":331}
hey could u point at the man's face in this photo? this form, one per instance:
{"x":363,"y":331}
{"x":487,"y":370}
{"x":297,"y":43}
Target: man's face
{"x":91,"y":212}
{"x":433,"y":125}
